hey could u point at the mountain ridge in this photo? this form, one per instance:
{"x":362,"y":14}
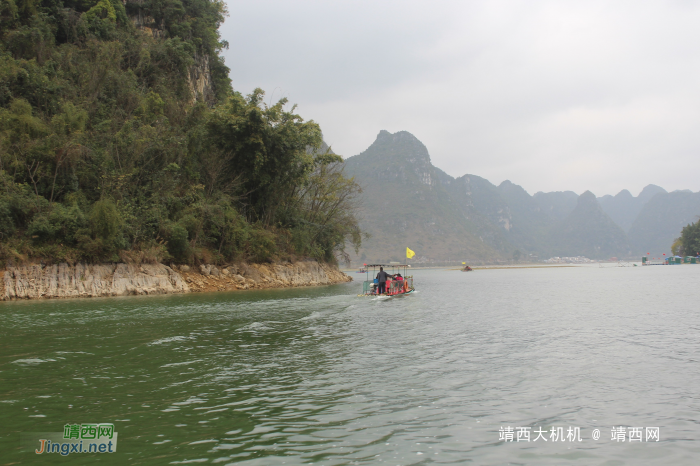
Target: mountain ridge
{"x":409,"y":200}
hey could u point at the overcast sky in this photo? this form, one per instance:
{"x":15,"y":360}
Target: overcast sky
{"x":551,"y":95}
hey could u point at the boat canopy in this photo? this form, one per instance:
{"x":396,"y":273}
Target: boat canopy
{"x":403,"y":285}
{"x":388,"y":265}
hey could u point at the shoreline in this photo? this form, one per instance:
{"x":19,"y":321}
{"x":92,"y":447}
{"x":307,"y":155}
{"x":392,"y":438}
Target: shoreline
{"x":119,"y":279}
{"x":548,"y":266}
{"x":496,"y":266}
{"x":479,"y":267}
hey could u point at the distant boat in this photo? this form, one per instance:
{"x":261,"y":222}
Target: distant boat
{"x":467,"y":269}
{"x":362,"y":270}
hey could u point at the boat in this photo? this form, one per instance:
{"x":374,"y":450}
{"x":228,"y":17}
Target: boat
{"x":466,"y":269}
{"x":362,"y":270}
{"x":393,"y":287}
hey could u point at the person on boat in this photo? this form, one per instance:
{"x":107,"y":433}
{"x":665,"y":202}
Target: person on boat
{"x":398,"y":287}
{"x":382,"y":277}
{"x":403,"y":286}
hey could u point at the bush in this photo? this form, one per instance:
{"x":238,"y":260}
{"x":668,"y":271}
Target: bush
{"x":102,"y":19}
{"x":18,"y":205}
{"x":60,"y":224}
{"x":7,"y":224}
{"x":177,"y":243}
{"x":149,"y":253}
{"x":106,"y":230}
{"x":105,"y":222}
{"x":262,"y":246}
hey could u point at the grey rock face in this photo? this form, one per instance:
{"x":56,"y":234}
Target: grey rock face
{"x":82,"y":280}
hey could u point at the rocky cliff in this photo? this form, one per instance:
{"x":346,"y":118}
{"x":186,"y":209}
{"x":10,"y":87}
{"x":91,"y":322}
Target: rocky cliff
{"x":199,"y":79}
{"x":260,"y":276}
{"x":83,"y":280}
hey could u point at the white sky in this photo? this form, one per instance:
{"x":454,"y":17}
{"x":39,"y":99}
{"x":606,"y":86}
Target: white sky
{"x":551,"y":95}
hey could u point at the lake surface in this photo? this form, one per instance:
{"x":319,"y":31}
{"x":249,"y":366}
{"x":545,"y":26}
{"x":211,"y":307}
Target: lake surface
{"x":321,"y":376}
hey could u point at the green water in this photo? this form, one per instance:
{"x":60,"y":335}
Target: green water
{"x":321,"y":376}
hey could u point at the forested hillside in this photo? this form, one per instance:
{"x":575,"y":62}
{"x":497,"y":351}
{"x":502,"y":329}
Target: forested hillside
{"x":121,"y":138}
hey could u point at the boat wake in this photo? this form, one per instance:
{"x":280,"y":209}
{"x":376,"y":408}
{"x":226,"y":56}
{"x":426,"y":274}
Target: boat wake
{"x":381,"y":298}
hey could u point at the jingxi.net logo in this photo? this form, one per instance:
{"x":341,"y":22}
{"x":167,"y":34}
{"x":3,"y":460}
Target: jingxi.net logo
{"x":78,"y":438}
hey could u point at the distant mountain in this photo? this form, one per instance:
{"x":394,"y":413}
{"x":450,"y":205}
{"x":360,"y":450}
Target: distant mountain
{"x":479,"y":201}
{"x":406,"y":201}
{"x":624,"y":208}
{"x":520,"y":219}
{"x":648,"y":192}
{"x":558,"y":203}
{"x":589,"y":231}
{"x":661,"y":219}
{"x":654,"y":219}
{"x":530,"y":223}
{"x":409,"y":202}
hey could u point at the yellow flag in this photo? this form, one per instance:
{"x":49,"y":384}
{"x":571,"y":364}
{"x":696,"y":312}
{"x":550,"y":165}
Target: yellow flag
{"x":409,"y":253}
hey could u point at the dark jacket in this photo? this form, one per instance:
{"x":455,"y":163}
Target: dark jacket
{"x":382,"y":276}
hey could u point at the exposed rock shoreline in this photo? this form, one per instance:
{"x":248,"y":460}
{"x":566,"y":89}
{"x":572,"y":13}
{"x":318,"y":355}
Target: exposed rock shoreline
{"x":88,"y":281}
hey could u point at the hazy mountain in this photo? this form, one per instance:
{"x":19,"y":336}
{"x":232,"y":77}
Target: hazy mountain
{"x":482,"y":210}
{"x":624,"y":208}
{"x":589,"y":231}
{"x":520,"y":219}
{"x":648,"y":192}
{"x":661,"y":219}
{"x":481,"y":195}
{"x":557,"y":203}
{"x":654,"y":219}
{"x":530,"y":223}
{"x":408,"y":202}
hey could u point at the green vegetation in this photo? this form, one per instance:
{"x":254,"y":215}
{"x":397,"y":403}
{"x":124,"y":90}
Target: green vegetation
{"x":109,"y":151}
{"x":689,"y":240}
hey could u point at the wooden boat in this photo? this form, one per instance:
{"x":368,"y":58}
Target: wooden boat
{"x":467,"y":269}
{"x":394,"y":286}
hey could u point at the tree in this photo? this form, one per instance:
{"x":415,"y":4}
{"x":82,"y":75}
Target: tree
{"x":323,"y":211}
{"x":267,"y":147}
{"x":676,"y":247}
{"x":690,"y":239}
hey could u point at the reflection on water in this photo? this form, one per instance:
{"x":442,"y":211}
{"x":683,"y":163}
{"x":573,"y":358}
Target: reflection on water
{"x":322,"y":376}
